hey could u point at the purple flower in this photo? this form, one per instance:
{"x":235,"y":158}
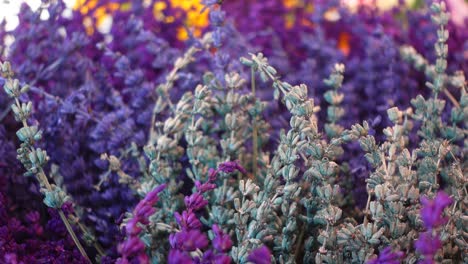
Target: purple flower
{"x":212,"y":174}
{"x":188,"y":240}
{"x":432,"y":210}
{"x":67,"y":208}
{"x":11,"y":258}
{"x":188,"y":220}
{"x":209,"y":3}
{"x":152,"y":197}
{"x":231,"y":166}
{"x":386,"y":256}
{"x":427,"y":244}
{"x":212,"y":257}
{"x":132,"y":228}
{"x":217,"y":17}
{"x":221,"y":259}
{"x":179,"y":257}
{"x":195,"y":201}
{"x":221,"y":241}
{"x":260,"y":255}
{"x":431,"y":214}
{"x":427,"y":261}
{"x":191,"y":237}
{"x":143,"y":211}
{"x":133,"y":247}
{"x":204,"y":187}
{"x":144,"y":208}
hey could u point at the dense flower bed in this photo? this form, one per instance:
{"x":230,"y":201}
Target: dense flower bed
{"x":234,"y":132}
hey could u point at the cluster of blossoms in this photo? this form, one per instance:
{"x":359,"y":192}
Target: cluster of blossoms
{"x":190,"y":238}
{"x":133,"y":117}
{"x":428,"y":242}
{"x":133,"y":247}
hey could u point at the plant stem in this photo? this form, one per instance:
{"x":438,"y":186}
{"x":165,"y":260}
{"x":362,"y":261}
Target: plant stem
{"x":186,"y":58}
{"x":254,"y":132}
{"x":5,"y":112}
{"x":42,"y":178}
{"x":84,"y":230}
{"x":73,"y":235}
{"x":366,"y":211}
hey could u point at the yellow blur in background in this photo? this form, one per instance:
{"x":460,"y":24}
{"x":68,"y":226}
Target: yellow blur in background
{"x":196,"y":20}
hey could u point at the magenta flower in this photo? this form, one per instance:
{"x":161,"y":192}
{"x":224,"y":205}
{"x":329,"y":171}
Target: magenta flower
{"x":221,"y":241}
{"x":143,"y":211}
{"x":231,"y":166}
{"x":144,"y":208}
{"x":188,"y":220}
{"x":427,"y":261}
{"x":67,"y":208}
{"x":195,"y":201}
{"x":431,"y":214}
{"x":188,"y":240}
{"x":211,"y":257}
{"x":260,"y":255}
{"x":386,"y":256}
{"x":152,"y":197}
{"x":204,"y":187}
{"x":179,"y":257}
{"x":11,"y":258}
{"x":191,"y":237}
{"x":427,"y":244}
{"x":432,"y":210}
{"x":133,"y":247}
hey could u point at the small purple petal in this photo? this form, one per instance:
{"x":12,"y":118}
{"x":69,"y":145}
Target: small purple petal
{"x":260,"y":256}
{"x":427,"y":244}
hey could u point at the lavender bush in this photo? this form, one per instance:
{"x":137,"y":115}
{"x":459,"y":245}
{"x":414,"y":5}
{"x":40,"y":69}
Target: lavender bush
{"x":153,"y":149}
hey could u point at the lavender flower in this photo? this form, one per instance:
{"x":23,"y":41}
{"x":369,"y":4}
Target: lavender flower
{"x":260,"y":255}
{"x":195,"y":201}
{"x":191,"y":237}
{"x":429,"y":242}
{"x":178,"y":256}
{"x":428,"y":245}
{"x":386,"y":256}
{"x":221,"y":242}
{"x":432,"y":211}
{"x":133,"y":247}
{"x":188,"y":240}
{"x":211,"y":257}
{"x":188,"y":220}
{"x":109,"y":94}
{"x":230,"y":167}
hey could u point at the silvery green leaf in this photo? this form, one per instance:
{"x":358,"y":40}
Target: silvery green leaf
{"x":5,"y":67}
{"x":252,"y":229}
{"x":246,"y":62}
{"x":11,"y":87}
{"x":271,"y":70}
{"x":150,"y":151}
{"x":374,"y":241}
{"x":342,"y":238}
{"x":338,"y":214}
{"x":25,"y":89}
{"x":461,"y":243}
{"x":376,"y":210}
{"x":55,"y":198}
{"x":278,"y":201}
{"x":392,"y":198}
{"x":237,"y":204}
{"x":263,"y":77}
{"x":413,"y":194}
